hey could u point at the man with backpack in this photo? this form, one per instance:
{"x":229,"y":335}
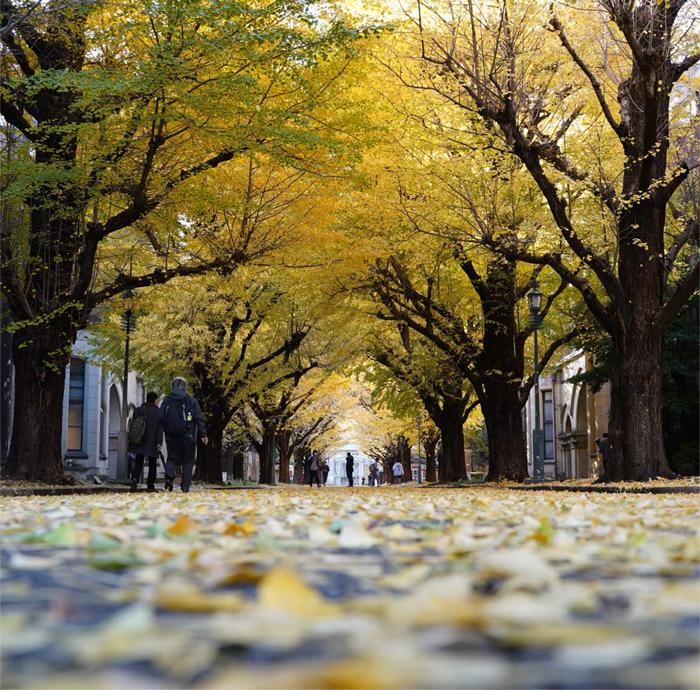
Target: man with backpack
{"x":145,"y":439}
{"x":313,"y":464}
{"x":182,"y":420}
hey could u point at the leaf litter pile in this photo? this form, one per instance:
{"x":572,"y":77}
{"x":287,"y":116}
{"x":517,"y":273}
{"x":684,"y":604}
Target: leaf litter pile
{"x":350,"y":588}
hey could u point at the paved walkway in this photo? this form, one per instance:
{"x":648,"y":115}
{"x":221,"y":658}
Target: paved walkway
{"x":350,"y":588}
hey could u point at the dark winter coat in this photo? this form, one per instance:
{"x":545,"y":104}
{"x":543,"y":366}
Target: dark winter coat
{"x":154,"y":431}
{"x":349,"y":463}
{"x":197,"y":423}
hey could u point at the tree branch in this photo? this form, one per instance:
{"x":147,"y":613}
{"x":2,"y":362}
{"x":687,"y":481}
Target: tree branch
{"x":616,"y":126}
{"x":680,"y":68}
{"x":691,"y":229}
{"x":143,"y":205}
{"x":160,"y":276}
{"x":685,"y":289}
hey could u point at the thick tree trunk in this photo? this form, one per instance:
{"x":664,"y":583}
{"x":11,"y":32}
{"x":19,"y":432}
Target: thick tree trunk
{"x":452,"y":435}
{"x":237,"y":465}
{"x":430,"y":442}
{"x":284,"y":446}
{"x":266,"y":457}
{"x":299,"y":455}
{"x":209,"y":457}
{"x":636,"y":439}
{"x":502,"y":412}
{"x":404,"y":453}
{"x":35,"y":450}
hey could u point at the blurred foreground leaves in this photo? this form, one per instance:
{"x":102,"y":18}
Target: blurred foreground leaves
{"x":363,"y":588}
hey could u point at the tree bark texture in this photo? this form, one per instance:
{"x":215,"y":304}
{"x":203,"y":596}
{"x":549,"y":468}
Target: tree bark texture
{"x":210,"y":457}
{"x":501,"y":368}
{"x":453,"y":465}
{"x":430,"y":441}
{"x":284,"y":439}
{"x":266,"y":451}
{"x":38,"y":411}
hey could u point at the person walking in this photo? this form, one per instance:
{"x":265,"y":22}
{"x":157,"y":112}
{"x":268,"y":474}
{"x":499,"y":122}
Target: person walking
{"x":325,"y":469}
{"x":349,"y":467}
{"x":145,"y":438}
{"x":182,"y":421}
{"x":314,"y":463}
{"x":397,"y":469}
{"x":373,"y":473}
{"x":603,"y":449}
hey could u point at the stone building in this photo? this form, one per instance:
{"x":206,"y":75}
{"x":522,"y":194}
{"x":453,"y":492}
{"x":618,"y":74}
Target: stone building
{"x":572,"y":419}
{"x":92,"y":414}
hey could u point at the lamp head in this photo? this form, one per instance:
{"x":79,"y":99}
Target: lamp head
{"x":534,"y":299}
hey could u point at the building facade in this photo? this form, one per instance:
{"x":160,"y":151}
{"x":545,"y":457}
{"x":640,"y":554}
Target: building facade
{"x":572,"y":418}
{"x":92,"y":414}
{"x":336,"y":462}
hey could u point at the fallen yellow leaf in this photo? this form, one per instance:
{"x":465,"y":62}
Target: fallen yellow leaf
{"x":183,"y":525}
{"x":245,"y":529}
{"x":186,"y":597}
{"x":284,"y":590}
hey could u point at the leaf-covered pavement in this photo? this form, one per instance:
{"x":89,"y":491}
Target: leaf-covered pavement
{"x":350,"y":588}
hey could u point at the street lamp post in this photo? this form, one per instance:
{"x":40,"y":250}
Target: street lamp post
{"x":127,"y":322}
{"x":273,"y":450}
{"x":420,"y":474}
{"x":534,"y":299}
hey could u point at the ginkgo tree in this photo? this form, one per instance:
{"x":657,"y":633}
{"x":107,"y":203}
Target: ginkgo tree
{"x":594,"y":103}
{"x":122,"y":110}
{"x":229,"y":339}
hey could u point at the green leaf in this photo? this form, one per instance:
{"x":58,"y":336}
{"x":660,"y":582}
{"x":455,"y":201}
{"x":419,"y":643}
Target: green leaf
{"x":64,"y":535}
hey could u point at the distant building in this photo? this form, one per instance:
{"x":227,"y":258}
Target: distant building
{"x":337,"y":475}
{"x":572,"y":419}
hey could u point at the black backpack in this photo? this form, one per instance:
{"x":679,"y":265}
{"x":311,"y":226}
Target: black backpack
{"x":175,"y":417}
{"x":138,"y":428}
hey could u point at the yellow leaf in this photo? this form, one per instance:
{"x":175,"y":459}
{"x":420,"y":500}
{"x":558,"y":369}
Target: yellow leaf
{"x":284,"y":590}
{"x":245,"y":529}
{"x":183,"y":525}
{"x":186,"y":597}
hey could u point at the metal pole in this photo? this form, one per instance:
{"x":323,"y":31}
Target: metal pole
{"x":122,"y":461}
{"x":420,"y":474}
{"x":538,"y":460}
{"x":273,"y":480}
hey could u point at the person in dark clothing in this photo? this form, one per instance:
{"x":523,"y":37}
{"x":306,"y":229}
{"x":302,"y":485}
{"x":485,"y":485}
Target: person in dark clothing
{"x":349,"y":467}
{"x":604,"y":448}
{"x":313,"y":463}
{"x":373,"y":474}
{"x":182,"y":420}
{"x":325,"y":469}
{"x":151,"y":441}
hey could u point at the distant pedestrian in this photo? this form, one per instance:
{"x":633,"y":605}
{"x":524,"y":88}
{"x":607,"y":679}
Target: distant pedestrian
{"x":397,"y":469}
{"x":182,"y":421}
{"x":373,"y":473}
{"x":325,"y":469}
{"x":349,"y":467}
{"x":603,"y":448}
{"x":145,"y":439}
{"x":313,"y":464}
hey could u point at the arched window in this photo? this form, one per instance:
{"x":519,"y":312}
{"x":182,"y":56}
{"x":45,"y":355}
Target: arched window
{"x":76,"y":403}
